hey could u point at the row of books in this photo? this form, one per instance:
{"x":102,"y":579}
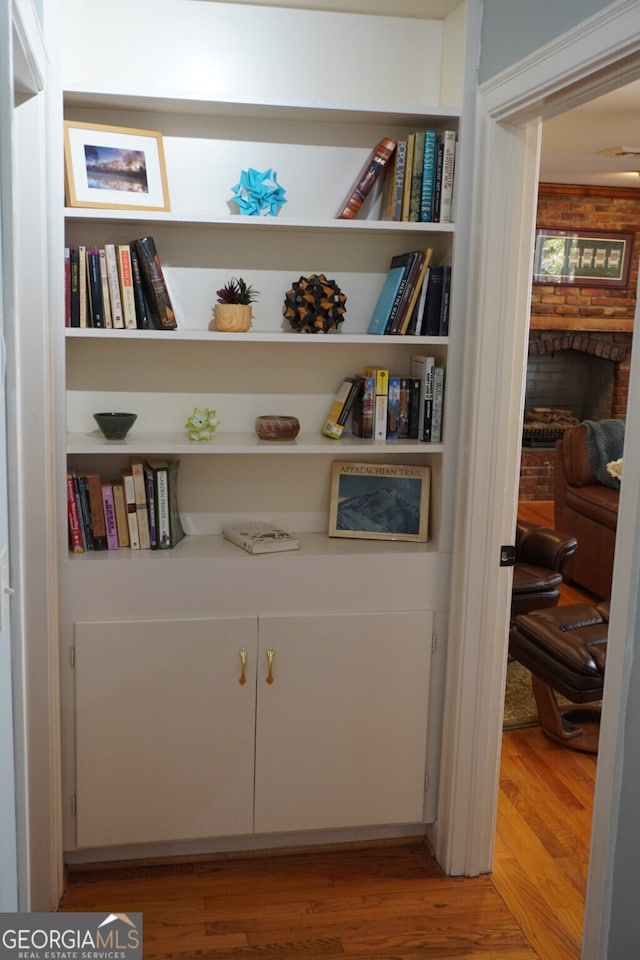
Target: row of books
{"x":414,"y":299}
{"x":118,"y":286}
{"x":415,"y":175}
{"x":139,"y":510}
{"x":383,"y":406}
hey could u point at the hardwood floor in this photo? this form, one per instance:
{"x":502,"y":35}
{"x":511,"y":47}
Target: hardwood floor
{"x":388,"y":902}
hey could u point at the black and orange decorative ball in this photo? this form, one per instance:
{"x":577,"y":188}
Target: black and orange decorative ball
{"x":314,"y":305}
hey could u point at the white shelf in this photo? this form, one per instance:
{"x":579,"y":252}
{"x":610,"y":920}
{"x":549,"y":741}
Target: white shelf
{"x":336,"y":338}
{"x":240,"y":443}
{"x":280,"y":223}
{"x":214,"y":547}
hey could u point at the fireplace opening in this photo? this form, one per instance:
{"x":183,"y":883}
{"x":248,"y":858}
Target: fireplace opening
{"x":578,"y":383}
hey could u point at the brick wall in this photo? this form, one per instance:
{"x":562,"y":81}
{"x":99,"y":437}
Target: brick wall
{"x":568,"y":207}
{"x":560,"y":314}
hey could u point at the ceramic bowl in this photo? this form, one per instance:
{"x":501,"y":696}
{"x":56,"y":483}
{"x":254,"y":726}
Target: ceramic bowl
{"x":115,"y":426}
{"x":273,"y":427}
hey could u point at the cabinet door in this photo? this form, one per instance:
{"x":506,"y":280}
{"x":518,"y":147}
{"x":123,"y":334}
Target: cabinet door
{"x":164,"y":730}
{"x":342,"y":729}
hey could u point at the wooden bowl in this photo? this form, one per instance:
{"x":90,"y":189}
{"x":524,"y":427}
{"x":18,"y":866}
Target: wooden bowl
{"x":274,"y":427}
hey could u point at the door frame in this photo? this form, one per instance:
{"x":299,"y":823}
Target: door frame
{"x":600,"y":54}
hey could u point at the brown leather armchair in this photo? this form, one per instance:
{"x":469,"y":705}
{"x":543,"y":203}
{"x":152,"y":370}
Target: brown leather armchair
{"x":540,"y":557}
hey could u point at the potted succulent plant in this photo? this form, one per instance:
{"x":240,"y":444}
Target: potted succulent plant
{"x":232,"y":312}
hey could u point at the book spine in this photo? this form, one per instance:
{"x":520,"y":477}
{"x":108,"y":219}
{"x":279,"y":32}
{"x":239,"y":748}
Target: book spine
{"x":177,"y":530}
{"x":446,"y":297}
{"x":161,"y":478}
{"x":428,"y":177}
{"x":104,"y":285}
{"x":437,"y":186}
{"x":438,"y":404}
{"x":83,"y":313}
{"x":415,"y":321}
{"x":75,"y":289}
{"x":97,"y":512}
{"x":415,"y":408}
{"x":448,"y":168}
{"x":408,"y":174}
{"x":393,"y":409}
{"x":132,"y":513}
{"x":126,"y":286}
{"x":362,"y":420}
{"x":368,"y":177}
{"x":75,"y":536}
{"x":142,"y":314}
{"x":431,"y":317}
{"x":115,"y":298}
{"x":416,"y":176}
{"x":154,"y":283}
{"x":67,"y":286}
{"x":83,"y":493}
{"x":109,"y":516}
{"x":403,"y":409}
{"x":398,"y":184}
{"x":81,"y":515}
{"x":95,"y":306}
{"x":422,"y":367}
{"x":120,"y":507}
{"x":151,"y":506}
{"x":142,"y":514}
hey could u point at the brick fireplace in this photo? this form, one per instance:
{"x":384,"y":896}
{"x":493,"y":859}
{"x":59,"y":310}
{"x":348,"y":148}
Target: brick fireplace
{"x":580,"y":337}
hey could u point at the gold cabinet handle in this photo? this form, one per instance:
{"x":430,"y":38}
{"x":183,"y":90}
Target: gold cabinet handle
{"x":271,"y":654}
{"x":243,"y":663}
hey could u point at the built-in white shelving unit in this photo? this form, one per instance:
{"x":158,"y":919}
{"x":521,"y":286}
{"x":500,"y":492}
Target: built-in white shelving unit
{"x":216,"y":120}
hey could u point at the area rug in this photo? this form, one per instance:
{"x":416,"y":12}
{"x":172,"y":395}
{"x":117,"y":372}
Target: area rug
{"x":519,"y":703}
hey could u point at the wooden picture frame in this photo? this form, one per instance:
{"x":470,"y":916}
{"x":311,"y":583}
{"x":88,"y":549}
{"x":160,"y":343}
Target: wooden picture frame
{"x":379,"y":501}
{"x":118,"y":168}
{"x":585,"y":258}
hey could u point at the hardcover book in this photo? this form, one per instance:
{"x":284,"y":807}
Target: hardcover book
{"x":142,"y":514}
{"x":95,"y":307}
{"x":422,"y":368}
{"x":98,"y":525}
{"x":126,"y":286}
{"x":169,"y":529}
{"x":428,"y":177}
{"x":438,"y":403}
{"x":416,"y":176}
{"x":154,"y":284}
{"x":120,"y":507}
{"x":386,"y":299}
{"x":369,"y":175}
{"x":75,"y":536}
{"x":74,"y":291}
{"x":110,"y":516}
{"x":104,"y":283}
{"x":448,"y":139}
{"x":398,"y":184}
{"x":143,"y":321}
{"x":132,"y":513}
{"x":256,"y":537}
{"x":117,"y":317}
{"x":431,"y":316}
{"x":341,"y":407}
{"x":363,"y":409}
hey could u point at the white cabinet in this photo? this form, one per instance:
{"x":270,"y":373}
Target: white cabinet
{"x":163,"y":730}
{"x":167,"y":735}
{"x":341,"y":732}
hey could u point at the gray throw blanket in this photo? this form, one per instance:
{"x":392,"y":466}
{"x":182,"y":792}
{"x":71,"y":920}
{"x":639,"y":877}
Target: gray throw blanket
{"x":605,"y":442}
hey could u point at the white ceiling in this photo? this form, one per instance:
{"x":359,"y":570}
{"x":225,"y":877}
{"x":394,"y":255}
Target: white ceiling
{"x":570,"y":142}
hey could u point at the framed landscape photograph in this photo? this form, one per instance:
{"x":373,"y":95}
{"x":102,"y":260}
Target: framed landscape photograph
{"x":115,"y":167}
{"x":379,"y":501}
{"x":586,"y":258}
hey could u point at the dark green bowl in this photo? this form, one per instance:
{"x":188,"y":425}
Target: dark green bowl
{"x":115,"y":426}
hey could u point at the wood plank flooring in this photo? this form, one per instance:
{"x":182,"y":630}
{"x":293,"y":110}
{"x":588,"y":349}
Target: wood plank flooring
{"x":386,"y":902}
